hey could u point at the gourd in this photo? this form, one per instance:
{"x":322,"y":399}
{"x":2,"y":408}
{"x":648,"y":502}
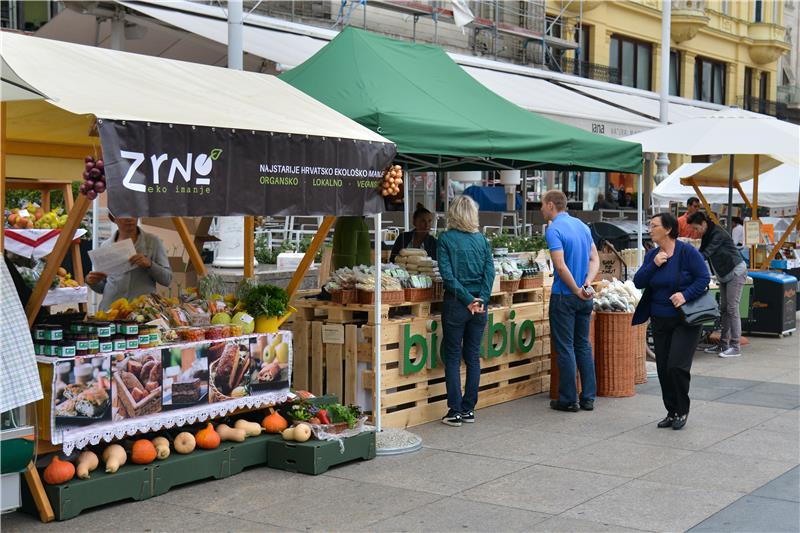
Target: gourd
{"x":143,"y":452}
{"x":302,"y":432}
{"x":162,"y":447}
{"x":251,"y":428}
{"x":58,"y":471}
{"x":87,"y":462}
{"x":351,"y":245}
{"x":207,"y":438}
{"x":184,"y":443}
{"x":288,"y":434}
{"x":114,"y":457}
{"x":274,"y":422}
{"x":228,"y":433}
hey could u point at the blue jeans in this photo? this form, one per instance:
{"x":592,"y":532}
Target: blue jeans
{"x":569,"y":330}
{"x":462,"y":333}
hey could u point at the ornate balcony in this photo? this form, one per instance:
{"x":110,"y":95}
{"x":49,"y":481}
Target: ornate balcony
{"x":769,"y":42}
{"x":574,"y":6}
{"x":688,"y":16}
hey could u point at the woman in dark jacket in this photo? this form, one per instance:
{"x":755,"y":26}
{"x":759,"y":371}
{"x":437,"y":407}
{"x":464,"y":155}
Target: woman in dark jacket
{"x":730,"y":269}
{"x":672,"y":274}
{"x":419,"y":237}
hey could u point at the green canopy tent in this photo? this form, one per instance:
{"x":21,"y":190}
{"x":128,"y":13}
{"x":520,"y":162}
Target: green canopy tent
{"x":440,"y":117}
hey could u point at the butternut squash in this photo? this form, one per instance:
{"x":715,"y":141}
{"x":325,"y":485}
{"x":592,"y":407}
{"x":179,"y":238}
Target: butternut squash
{"x":114,"y":457}
{"x":162,"y":447}
{"x":252,"y":429}
{"x":288,"y":434}
{"x":228,"y":433}
{"x":87,"y":462}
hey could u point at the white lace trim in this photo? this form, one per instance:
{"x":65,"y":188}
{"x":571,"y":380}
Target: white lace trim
{"x":78,"y":438}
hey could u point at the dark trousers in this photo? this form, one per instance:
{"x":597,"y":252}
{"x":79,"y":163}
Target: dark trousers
{"x":462,"y":333}
{"x":674,"y":344}
{"x":570,"y":319}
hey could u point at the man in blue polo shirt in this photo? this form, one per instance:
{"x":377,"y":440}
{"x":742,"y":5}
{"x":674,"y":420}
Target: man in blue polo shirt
{"x":575,"y":261}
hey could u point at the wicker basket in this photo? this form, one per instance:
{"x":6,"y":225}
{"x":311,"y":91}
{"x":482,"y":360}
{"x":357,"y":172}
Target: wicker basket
{"x":554,"y":375}
{"x":419,"y":295}
{"x":387,"y":297}
{"x":344,"y":296}
{"x":615,"y":357}
{"x":509,"y":285}
{"x":438,"y":290}
{"x":214,"y":394}
{"x":532,"y":282}
{"x":640,"y":353}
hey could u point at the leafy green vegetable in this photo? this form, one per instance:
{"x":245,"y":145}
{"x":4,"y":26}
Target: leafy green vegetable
{"x":266,"y":300}
{"x":343,"y":413}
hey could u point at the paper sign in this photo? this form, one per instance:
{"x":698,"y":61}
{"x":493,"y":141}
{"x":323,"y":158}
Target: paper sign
{"x":333,"y":333}
{"x":113,"y":260}
{"x":752,"y":232}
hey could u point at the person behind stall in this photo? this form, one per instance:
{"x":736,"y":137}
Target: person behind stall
{"x":672,"y":274}
{"x":602,"y":203}
{"x":684,"y":229}
{"x":150,"y":259}
{"x":627,"y":202}
{"x":419,"y":237}
{"x":731,"y":270}
{"x":467,"y":269}
{"x":737,"y":232}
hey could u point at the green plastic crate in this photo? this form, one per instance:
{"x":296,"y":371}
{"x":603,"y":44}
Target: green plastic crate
{"x":251,"y":452}
{"x":130,"y":482}
{"x":181,"y":469}
{"x":317,"y":456}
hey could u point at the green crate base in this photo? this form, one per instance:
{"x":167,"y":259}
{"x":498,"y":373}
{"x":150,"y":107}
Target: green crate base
{"x":130,"y":482}
{"x":181,"y":469}
{"x":317,"y":456}
{"x":251,"y":452}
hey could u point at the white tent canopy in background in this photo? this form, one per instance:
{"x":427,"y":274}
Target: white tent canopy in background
{"x":731,"y":131}
{"x":777,"y":188}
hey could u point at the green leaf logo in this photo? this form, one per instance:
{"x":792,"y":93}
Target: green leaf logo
{"x":215,"y":153}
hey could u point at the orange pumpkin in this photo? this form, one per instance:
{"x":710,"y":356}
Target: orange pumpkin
{"x":143,"y":452}
{"x":58,"y":471}
{"x":274,"y":422}
{"x":208,"y":438}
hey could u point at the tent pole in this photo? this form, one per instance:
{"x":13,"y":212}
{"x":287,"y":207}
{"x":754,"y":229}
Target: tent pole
{"x":640,"y":218}
{"x":316,"y":242}
{"x":191,"y":249}
{"x":376,"y":337}
{"x":407,"y":202}
{"x":755,"y":187}
{"x":249,"y":246}
{"x":697,"y":190}
{"x":730,"y":194}
{"x":778,"y":245}
{"x":524,"y":174}
{"x":743,"y":195}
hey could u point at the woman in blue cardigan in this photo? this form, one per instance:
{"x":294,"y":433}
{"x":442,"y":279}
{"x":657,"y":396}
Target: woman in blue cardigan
{"x":672,"y":274}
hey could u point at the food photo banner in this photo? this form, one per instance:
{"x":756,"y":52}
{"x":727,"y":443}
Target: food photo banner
{"x":111,"y":395}
{"x":155,"y":170}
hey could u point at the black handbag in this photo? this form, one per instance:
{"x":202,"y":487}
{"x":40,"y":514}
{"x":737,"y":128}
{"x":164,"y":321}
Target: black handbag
{"x":700,"y":310}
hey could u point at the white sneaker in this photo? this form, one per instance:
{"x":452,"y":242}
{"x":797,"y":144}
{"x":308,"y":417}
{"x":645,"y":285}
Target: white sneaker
{"x":714,"y":349}
{"x":731,"y":352}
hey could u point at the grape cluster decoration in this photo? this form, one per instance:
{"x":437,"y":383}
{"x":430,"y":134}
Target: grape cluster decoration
{"x":94,"y":178}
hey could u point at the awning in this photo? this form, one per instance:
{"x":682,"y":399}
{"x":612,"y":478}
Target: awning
{"x":439,"y":116}
{"x":184,"y":139}
{"x":718,"y":173}
{"x":557,"y":103}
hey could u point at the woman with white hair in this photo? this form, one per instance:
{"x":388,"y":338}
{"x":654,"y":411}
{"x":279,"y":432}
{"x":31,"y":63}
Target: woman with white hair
{"x":467,"y":269}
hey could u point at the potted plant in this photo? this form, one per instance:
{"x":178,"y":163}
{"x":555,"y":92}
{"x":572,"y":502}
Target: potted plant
{"x":270,"y":307}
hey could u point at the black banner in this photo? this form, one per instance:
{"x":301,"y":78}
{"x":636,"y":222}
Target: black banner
{"x":156,"y":170}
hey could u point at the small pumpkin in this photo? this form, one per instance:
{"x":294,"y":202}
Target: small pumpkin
{"x":58,"y":471}
{"x":184,"y":442}
{"x":274,"y":422}
{"x":143,"y":452}
{"x":207,"y":438}
{"x":114,"y":456}
{"x":302,"y":432}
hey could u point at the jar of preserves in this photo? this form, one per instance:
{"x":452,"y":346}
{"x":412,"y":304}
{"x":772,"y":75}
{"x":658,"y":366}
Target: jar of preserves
{"x":132,"y":341}
{"x":120,"y":343}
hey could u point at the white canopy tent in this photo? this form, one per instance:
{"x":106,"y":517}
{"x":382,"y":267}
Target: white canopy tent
{"x":776,"y":188}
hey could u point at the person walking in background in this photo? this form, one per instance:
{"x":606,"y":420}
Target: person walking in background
{"x":576,"y":262}
{"x":730,"y":269}
{"x":684,"y":229}
{"x":672,"y":274}
{"x":467,"y":270}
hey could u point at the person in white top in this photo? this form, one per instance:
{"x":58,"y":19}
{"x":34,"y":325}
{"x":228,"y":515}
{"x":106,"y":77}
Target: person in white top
{"x":737,"y":233}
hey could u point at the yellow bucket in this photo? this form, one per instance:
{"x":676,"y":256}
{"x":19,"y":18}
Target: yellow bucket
{"x":270,"y":324}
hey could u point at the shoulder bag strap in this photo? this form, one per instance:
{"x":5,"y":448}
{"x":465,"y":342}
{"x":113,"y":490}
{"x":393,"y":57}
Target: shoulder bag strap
{"x":678,"y":272}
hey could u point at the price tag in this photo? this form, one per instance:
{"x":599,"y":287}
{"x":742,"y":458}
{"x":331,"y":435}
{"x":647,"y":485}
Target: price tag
{"x":246,"y":318}
{"x":333,"y":333}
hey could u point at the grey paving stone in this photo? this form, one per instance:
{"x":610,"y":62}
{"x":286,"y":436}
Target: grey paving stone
{"x":785,"y":487}
{"x":691,"y":437}
{"x":762,"y":443}
{"x":531,"y":446}
{"x":753,"y":397}
{"x":353,"y":506}
{"x":564,"y":524}
{"x":792,"y":377}
{"x":456,"y":514}
{"x":787,"y":422}
{"x":436,"y":471}
{"x":544,"y":489}
{"x":709,"y":393}
{"x":441,"y":437}
{"x":717,"y":471}
{"x":783,"y":389}
{"x":652,"y":506}
{"x":730,"y":416}
{"x":721,"y":382}
{"x":754,"y":514}
{"x":752,"y":370}
{"x":600,"y":423}
{"x":619,"y":458}
{"x":230,"y":524}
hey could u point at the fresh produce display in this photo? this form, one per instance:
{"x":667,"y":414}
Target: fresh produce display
{"x":252,"y":429}
{"x":392,"y":181}
{"x":266,"y":300}
{"x":184,"y":443}
{"x":207,"y":438}
{"x":143,"y":452}
{"x":161,"y":445}
{"x":94,"y":178}
{"x":507,"y":269}
{"x":87,"y":462}
{"x":299,"y":433}
{"x":365,"y":280}
{"x":58,"y":471}
{"x":227,"y":433}
{"x":35,"y":217}
{"x":65,"y":279}
{"x":616,"y":296}
{"x":274,"y":422}
{"x":114,"y":456}
{"x":416,"y":261}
